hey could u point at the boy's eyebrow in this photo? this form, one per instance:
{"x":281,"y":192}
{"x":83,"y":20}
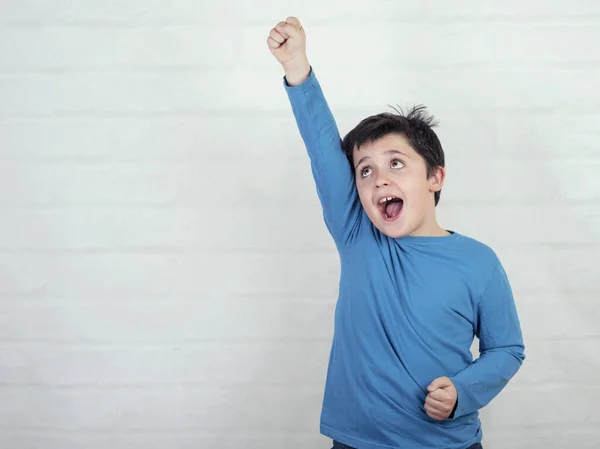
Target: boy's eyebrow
{"x":392,"y":151}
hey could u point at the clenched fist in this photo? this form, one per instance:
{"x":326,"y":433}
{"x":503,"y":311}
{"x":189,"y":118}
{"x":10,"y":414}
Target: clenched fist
{"x":287,"y":42}
{"x":441,"y":399}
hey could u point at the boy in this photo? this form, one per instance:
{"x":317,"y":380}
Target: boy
{"x":412,"y":294}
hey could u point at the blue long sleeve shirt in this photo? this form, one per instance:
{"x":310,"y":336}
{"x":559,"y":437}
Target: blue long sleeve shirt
{"x":407,"y":313}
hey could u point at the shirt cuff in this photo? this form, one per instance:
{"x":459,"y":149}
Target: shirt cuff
{"x":308,"y":83}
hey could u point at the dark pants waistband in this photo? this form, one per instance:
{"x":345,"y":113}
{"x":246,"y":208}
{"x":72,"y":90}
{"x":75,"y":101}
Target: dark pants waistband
{"x":338,"y":445}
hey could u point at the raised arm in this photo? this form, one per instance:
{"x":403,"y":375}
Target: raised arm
{"x":331,"y":170}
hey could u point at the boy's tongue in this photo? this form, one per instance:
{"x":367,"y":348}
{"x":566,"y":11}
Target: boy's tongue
{"x":393,"y":208}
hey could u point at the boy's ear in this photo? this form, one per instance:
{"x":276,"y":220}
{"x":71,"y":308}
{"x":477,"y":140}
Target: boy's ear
{"x":437,"y":178}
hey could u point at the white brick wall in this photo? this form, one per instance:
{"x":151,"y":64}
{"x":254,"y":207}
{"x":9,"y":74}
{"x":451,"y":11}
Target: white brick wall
{"x":157,"y":289}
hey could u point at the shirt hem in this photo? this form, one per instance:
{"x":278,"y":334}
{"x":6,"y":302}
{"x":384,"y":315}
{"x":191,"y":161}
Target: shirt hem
{"x":360,"y":444}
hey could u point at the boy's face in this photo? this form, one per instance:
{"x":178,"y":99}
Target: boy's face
{"x":391,"y":168}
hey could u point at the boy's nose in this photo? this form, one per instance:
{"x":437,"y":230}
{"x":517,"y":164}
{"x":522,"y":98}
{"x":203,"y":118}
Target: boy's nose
{"x":381,"y":181}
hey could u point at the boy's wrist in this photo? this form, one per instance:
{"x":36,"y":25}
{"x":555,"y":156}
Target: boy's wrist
{"x":296,"y":72}
{"x":453,"y":410}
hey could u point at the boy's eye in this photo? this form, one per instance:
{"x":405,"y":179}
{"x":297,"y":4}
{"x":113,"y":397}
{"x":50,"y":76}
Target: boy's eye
{"x":396,"y":163}
{"x":365,"y":172}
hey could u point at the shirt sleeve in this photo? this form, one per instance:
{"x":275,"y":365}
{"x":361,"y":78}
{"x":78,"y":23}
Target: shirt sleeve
{"x":501,"y":347}
{"x":330,"y":167}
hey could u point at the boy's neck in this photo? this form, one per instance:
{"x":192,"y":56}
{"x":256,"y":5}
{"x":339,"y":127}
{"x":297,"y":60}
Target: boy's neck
{"x":431,"y":229}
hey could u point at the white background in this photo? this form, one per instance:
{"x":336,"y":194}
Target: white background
{"x":166,"y":280}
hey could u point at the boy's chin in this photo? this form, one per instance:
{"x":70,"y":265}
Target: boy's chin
{"x":391,"y":232}
{"x":393,"y":229}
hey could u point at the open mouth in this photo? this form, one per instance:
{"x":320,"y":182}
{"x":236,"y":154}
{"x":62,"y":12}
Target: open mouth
{"x":390,"y":207}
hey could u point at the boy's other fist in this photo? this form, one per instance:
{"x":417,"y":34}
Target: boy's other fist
{"x":287,"y":42}
{"x":441,"y":399}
